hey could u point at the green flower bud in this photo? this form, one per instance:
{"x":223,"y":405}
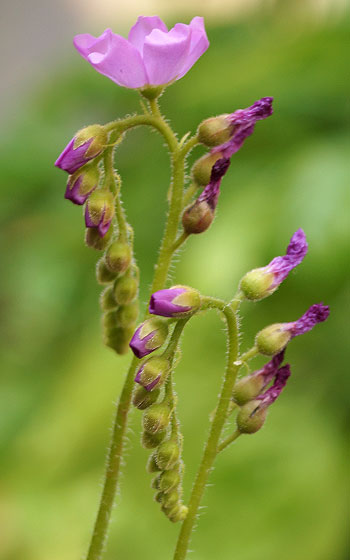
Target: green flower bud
{"x":197,"y":217}
{"x":257,"y":283}
{"x":215,"y":131}
{"x":155,"y":484}
{"x":107,"y":300}
{"x":152,"y":466}
{"x":109,"y":321}
{"x":272,"y":339}
{"x":118,"y":339}
{"x":118,"y":257}
{"x":159,"y":497}
{"x":127,"y":314}
{"x":171,"y":499}
{"x":152,"y":372}
{"x":156,"y":418}
{"x":143,"y":399}
{"x":201,"y":171}
{"x":103,"y":274}
{"x":169,"y":480}
{"x":168,"y":455}
{"x":95,"y":241}
{"x":150,"y":441}
{"x":248,"y":388}
{"x":178,"y":513}
{"x":251,"y":417}
{"x":125,"y":289}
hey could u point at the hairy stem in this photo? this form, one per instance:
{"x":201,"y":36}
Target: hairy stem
{"x":211,"y":448}
{"x":227,"y":441}
{"x":100,"y":532}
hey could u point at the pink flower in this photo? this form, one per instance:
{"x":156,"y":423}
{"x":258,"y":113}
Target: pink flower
{"x":151,"y":55}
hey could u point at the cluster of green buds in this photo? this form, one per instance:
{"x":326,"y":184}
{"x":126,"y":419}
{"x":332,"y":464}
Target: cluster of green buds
{"x":160,"y":434}
{"x":119,"y":302}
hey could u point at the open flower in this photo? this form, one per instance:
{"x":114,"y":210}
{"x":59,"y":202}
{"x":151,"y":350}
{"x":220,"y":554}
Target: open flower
{"x":151,"y":56}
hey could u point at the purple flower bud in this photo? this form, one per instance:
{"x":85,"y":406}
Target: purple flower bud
{"x":99,"y":211}
{"x":85,"y":146}
{"x":272,"y":339}
{"x":174,"y":302}
{"x":152,"y":372}
{"x":317,"y":313}
{"x":262,"y":282}
{"x":243,"y":123}
{"x":274,"y":391}
{"x":80,"y":187}
{"x":149,"y":336}
{"x":199,"y":215}
{"x":249,"y":387}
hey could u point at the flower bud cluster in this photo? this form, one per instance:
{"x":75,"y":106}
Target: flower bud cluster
{"x":165,"y":459}
{"x":119,"y":299}
{"x":249,"y":394}
{"x":79,"y":160}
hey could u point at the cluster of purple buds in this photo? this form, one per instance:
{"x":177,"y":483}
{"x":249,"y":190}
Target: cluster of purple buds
{"x":262,"y":282}
{"x":273,"y":339}
{"x":199,"y":215}
{"x":226,"y":134}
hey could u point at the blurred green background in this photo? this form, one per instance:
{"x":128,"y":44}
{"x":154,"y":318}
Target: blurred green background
{"x":281,"y":494}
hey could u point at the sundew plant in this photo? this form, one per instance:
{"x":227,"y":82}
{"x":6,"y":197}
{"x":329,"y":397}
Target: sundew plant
{"x":149,"y":61}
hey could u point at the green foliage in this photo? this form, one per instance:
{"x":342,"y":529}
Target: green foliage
{"x":278,"y":494}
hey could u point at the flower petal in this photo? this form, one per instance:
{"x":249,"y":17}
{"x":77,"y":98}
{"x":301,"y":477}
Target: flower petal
{"x":199,"y":44}
{"x":164,"y":54}
{"x":114,"y":57}
{"x":143,"y":27}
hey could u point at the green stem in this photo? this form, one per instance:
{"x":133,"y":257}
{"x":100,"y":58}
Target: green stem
{"x":217,"y":425}
{"x":227,"y":441}
{"x":100,"y":532}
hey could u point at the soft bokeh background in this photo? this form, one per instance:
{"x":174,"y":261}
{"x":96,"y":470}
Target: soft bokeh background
{"x":279,"y":494}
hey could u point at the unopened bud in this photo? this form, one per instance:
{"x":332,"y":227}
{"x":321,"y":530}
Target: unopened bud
{"x":201,"y":171}
{"x":118,"y":257}
{"x":178,"y":514}
{"x":251,"y":417}
{"x":107,"y":300}
{"x":152,"y":372}
{"x":156,"y":418}
{"x":103,"y":274}
{"x":118,"y":339}
{"x":197,"y":217}
{"x":95,"y":241}
{"x":125,"y":289}
{"x":159,"y":497}
{"x":169,"y":480}
{"x":171,"y":499}
{"x":178,"y":301}
{"x":80,"y":185}
{"x":152,"y":464}
{"x":150,"y":441}
{"x":86,"y":144}
{"x":272,"y":339}
{"x":99,"y":211}
{"x":215,"y":131}
{"x":155,"y":484}
{"x":248,"y":388}
{"x":149,"y":336}
{"x":257,"y":284}
{"x":127,"y":314}
{"x":109,"y":320}
{"x":168,"y":455}
{"x":143,"y":398}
